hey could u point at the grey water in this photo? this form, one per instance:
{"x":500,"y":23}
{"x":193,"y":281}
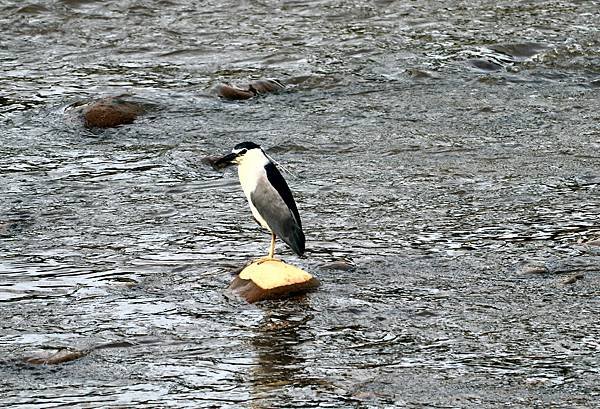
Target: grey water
{"x":449,"y":150}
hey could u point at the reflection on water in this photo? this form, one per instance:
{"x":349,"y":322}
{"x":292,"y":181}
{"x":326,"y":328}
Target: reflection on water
{"x":278,"y":375}
{"x":449,"y":149}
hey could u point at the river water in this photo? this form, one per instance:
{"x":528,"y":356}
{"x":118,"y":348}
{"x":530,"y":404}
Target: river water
{"x":450,"y":150}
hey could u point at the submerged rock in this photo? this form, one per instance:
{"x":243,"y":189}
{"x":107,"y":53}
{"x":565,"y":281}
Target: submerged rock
{"x":341,"y":264}
{"x":532,"y":267}
{"x":504,"y":56}
{"x":485,"y":65}
{"x":232,"y":93}
{"x":519,"y":50}
{"x":266,"y":86}
{"x":59,"y":357}
{"x":212,"y":162}
{"x":64,"y":355}
{"x":572,"y":278}
{"x":108,"y":112}
{"x":253,"y":89}
{"x":418,"y":73}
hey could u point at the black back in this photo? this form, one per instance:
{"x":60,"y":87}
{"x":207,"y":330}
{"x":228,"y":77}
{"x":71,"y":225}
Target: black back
{"x":278,"y":182}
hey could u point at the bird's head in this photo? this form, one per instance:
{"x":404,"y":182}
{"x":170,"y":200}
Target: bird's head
{"x":241,"y":152}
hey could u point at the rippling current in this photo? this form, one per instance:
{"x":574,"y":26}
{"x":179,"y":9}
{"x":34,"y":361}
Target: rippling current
{"x":450,"y":150}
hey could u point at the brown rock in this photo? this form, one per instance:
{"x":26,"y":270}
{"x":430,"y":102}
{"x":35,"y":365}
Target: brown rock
{"x":233,"y":93}
{"x":266,"y":86}
{"x":254,"y":88}
{"x":211,"y":161}
{"x":110,"y":112}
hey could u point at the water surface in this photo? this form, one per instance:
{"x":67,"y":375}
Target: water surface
{"x":450,"y":150}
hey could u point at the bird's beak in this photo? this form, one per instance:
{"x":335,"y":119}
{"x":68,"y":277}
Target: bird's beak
{"x":225,"y":161}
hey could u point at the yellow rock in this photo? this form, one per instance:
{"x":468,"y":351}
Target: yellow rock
{"x":272,"y":278}
{"x":273,"y":273}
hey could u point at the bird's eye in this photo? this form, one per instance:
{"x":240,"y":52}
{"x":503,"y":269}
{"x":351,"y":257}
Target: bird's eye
{"x":243,"y":151}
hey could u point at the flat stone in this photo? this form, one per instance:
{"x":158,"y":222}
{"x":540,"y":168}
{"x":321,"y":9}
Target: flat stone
{"x":272,"y":279}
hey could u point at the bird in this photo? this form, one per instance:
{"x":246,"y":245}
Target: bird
{"x":268,"y":194}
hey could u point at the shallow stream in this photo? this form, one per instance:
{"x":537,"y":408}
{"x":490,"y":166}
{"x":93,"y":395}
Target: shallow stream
{"x":450,"y":150}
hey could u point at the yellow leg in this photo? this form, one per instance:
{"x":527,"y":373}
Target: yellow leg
{"x":271,"y":255}
{"x":272,"y":249}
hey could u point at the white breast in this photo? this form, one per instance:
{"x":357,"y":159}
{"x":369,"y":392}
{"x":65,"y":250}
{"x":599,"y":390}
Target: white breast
{"x":251,"y":170}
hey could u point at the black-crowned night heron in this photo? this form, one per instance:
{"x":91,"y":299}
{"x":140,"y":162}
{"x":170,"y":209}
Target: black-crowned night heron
{"x":269,"y":197}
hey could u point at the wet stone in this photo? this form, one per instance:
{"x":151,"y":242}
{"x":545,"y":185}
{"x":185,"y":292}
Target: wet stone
{"x":266,"y":86}
{"x":233,"y":93}
{"x":108,"y":112}
{"x":519,"y":50}
{"x":250,"y":90}
{"x":212,"y":162}
{"x":532,"y":268}
{"x":340,"y":264}
{"x":485,"y":65}
{"x":111,"y":112}
{"x":419,"y":74}
{"x":573,"y":278}
{"x":59,"y":357}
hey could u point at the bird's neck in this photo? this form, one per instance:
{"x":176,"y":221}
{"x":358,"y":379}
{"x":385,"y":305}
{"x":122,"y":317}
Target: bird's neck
{"x":250,"y":171}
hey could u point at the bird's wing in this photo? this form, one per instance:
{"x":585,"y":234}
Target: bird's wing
{"x":279,"y":211}
{"x":278,"y":182}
